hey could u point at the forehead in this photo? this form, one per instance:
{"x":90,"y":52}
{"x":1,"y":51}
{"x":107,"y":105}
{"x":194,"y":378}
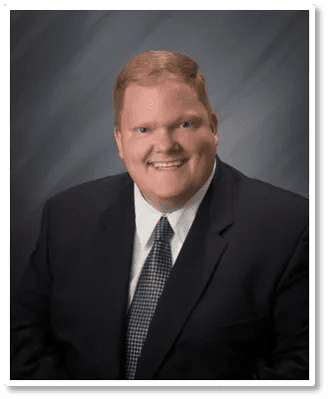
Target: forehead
{"x":162,"y":102}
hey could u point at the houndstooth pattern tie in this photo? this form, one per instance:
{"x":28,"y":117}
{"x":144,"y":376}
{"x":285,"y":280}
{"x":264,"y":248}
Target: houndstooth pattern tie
{"x":154,"y":274}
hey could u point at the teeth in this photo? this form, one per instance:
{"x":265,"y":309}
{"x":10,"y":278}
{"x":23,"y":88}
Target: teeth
{"x":168,"y":164}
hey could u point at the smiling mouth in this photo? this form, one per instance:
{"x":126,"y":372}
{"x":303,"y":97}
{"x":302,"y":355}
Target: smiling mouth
{"x":168,"y":165}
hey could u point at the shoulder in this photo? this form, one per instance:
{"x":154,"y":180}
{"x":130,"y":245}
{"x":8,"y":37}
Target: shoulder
{"x":259,"y":202}
{"x":96,"y":194}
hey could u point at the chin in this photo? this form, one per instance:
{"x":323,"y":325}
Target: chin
{"x":174,"y":196}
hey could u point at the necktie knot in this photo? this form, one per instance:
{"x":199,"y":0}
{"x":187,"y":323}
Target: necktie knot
{"x":163,"y":230}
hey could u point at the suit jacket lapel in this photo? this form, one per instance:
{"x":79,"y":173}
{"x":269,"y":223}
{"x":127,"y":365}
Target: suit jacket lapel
{"x":191,"y":273}
{"x":113,"y":250}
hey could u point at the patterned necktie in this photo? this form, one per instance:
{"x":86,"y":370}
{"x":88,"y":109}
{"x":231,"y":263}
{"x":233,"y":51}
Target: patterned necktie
{"x":150,"y":286}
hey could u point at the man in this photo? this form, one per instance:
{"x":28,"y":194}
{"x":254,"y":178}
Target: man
{"x":182,"y":268}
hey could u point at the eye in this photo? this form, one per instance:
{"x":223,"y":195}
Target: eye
{"x":185,"y":124}
{"x":142,"y":129}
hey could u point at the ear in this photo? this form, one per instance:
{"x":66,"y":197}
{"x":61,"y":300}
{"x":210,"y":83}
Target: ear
{"x":216,"y":138}
{"x":118,"y":138}
{"x":214,"y":124}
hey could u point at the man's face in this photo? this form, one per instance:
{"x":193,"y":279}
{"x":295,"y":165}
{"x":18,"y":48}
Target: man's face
{"x":166,"y":142}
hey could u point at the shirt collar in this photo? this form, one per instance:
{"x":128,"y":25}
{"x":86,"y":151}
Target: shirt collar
{"x":180,"y":220}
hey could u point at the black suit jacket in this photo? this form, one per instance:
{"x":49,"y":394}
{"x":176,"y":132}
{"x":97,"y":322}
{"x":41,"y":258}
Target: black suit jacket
{"x":234,"y":307}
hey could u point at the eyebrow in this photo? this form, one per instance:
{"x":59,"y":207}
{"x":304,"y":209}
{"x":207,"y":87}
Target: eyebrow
{"x":184,"y":117}
{"x":189,"y":115}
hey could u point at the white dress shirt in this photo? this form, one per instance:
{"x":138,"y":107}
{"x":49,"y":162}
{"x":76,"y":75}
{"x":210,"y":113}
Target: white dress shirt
{"x":147,"y":218}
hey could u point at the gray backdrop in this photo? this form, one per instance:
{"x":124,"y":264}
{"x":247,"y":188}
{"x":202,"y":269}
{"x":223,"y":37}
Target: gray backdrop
{"x":63,"y":69}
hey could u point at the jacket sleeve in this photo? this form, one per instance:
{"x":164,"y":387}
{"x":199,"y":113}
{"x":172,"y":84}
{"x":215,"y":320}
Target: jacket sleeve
{"x":289,"y":355}
{"x":33,"y":352}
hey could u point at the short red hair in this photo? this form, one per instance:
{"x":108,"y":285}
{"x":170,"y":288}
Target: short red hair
{"x":148,"y":68}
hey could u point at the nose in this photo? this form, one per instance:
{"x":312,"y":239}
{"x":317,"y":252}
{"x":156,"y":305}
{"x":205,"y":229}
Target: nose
{"x":165,"y":141}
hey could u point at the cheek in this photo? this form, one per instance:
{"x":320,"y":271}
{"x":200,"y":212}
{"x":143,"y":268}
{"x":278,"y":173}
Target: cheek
{"x":201,"y":145}
{"x":137,"y":150}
